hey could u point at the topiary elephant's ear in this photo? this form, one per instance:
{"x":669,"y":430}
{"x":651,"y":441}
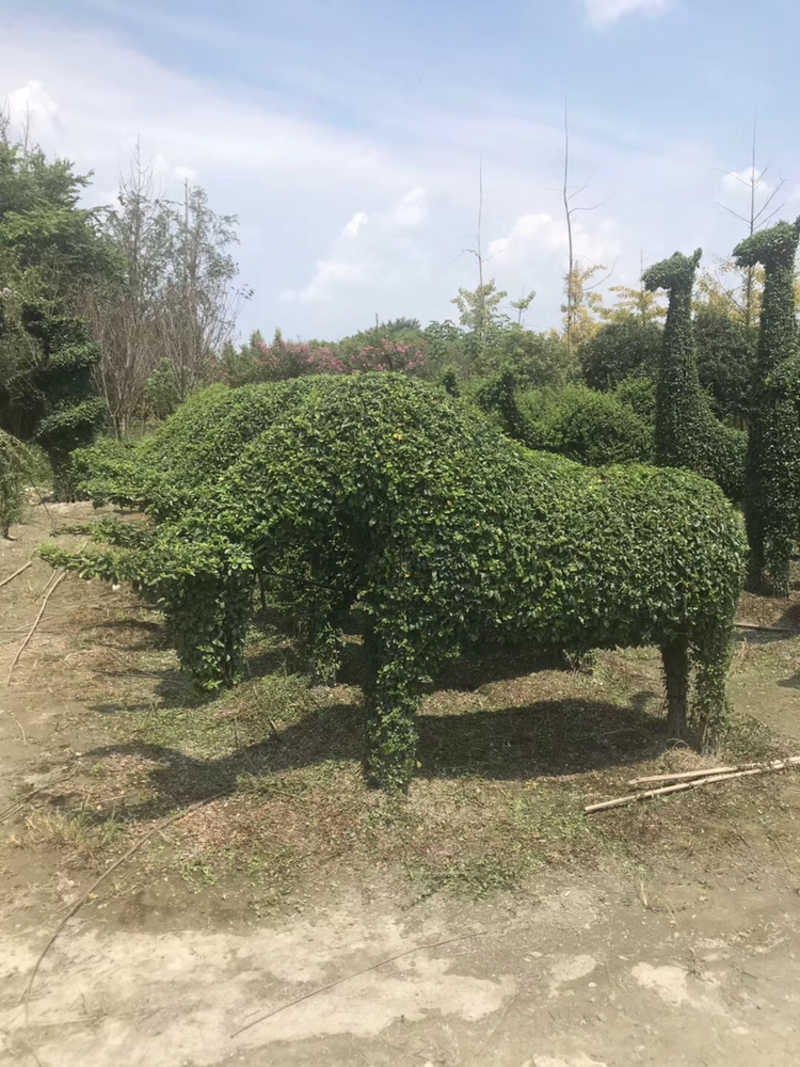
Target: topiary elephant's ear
{"x":698,"y":255}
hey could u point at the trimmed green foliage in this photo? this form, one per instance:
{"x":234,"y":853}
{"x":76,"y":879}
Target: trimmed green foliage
{"x":69,"y":411}
{"x":107,"y":472}
{"x":640,"y":395}
{"x":163,"y":473}
{"x":620,"y":350}
{"x":203,"y":585}
{"x":15,"y":475}
{"x":772,"y":499}
{"x":726,"y":355}
{"x":686,"y":432}
{"x":386,"y":500}
{"x":586,"y":426}
{"x":576,"y":422}
{"x":392,"y":497}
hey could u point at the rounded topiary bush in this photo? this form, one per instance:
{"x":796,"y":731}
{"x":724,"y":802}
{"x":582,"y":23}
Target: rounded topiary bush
{"x":163,"y":473}
{"x":586,"y":426}
{"x":640,"y":395}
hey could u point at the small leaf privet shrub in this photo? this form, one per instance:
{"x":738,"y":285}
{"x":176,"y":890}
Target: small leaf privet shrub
{"x":497,"y":397}
{"x":383,"y":499}
{"x":572,"y":421}
{"x":15,"y":475}
{"x":620,"y":350}
{"x":585,"y":426}
{"x":639,"y":394}
{"x":388,"y":498}
{"x":202,"y":583}
{"x":772,"y":498}
{"x":163,"y":473}
{"x":686,"y":432}
{"x":102,"y":469}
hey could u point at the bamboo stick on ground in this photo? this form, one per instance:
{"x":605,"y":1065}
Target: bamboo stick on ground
{"x":704,"y":772}
{"x":767,"y":629}
{"x":678,"y":787}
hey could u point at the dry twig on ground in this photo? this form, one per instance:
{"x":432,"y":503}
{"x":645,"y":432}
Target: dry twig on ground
{"x":11,"y":577}
{"x":51,"y":589}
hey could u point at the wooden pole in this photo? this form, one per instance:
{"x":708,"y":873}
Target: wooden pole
{"x":633,"y":798}
{"x":706,"y":771}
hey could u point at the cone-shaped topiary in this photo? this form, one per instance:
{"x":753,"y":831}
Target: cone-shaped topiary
{"x":772,"y":497}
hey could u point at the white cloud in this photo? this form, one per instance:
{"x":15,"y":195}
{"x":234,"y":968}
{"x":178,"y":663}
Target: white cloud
{"x":328,"y":275}
{"x":31,"y":101}
{"x":360,"y":219}
{"x":412,"y":211}
{"x":352,"y":263}
{"x":603,"y":12}
{"x":540,"y":242}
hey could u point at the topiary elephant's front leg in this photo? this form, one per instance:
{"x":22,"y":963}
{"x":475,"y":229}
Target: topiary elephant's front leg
{"x":390,"y":705}
{"x":675,"y":657}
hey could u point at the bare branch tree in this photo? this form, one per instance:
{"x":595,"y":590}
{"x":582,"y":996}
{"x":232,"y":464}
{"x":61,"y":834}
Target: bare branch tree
{"x":164,"y":315}
{"x":569,"y":195}
{"x":756,"y":219}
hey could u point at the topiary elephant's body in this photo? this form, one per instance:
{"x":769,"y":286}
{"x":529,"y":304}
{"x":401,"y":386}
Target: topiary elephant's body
{"x":387,"y":495}
{"x":385,"y":499}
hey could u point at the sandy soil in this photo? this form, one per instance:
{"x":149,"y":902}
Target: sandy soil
{"x":685,"y":962}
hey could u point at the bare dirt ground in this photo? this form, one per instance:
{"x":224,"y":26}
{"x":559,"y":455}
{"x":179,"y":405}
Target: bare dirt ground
{"x":484,"y":920}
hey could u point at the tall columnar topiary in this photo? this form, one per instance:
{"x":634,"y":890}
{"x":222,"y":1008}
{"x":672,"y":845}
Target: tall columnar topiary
{"x":773,"y":455}
{"x":686,"y":433}
{"x":70,"y":410}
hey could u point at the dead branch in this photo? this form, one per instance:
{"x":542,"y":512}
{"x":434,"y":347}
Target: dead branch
{"x":30,"y":633}
{"x":11,"y":577}
{"x":766,"y":629}
{"x":355,"y":974}
{"x":161,"y":825}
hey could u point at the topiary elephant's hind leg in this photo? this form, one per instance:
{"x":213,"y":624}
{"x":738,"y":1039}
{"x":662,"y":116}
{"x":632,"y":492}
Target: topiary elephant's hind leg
{"x":675,"y":657}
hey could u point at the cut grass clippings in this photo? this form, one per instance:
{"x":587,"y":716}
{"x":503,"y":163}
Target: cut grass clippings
{"x":509,"y":755}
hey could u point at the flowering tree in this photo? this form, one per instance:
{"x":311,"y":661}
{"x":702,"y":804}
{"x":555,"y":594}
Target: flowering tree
{"x":282,"y":360}
{"x":388,"y":355}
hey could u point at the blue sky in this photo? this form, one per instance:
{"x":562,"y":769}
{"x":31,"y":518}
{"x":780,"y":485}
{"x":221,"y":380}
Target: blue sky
{"x":346,"y":135}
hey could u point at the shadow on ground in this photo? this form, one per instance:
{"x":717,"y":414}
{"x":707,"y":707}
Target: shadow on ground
{"x":546,"y":738}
